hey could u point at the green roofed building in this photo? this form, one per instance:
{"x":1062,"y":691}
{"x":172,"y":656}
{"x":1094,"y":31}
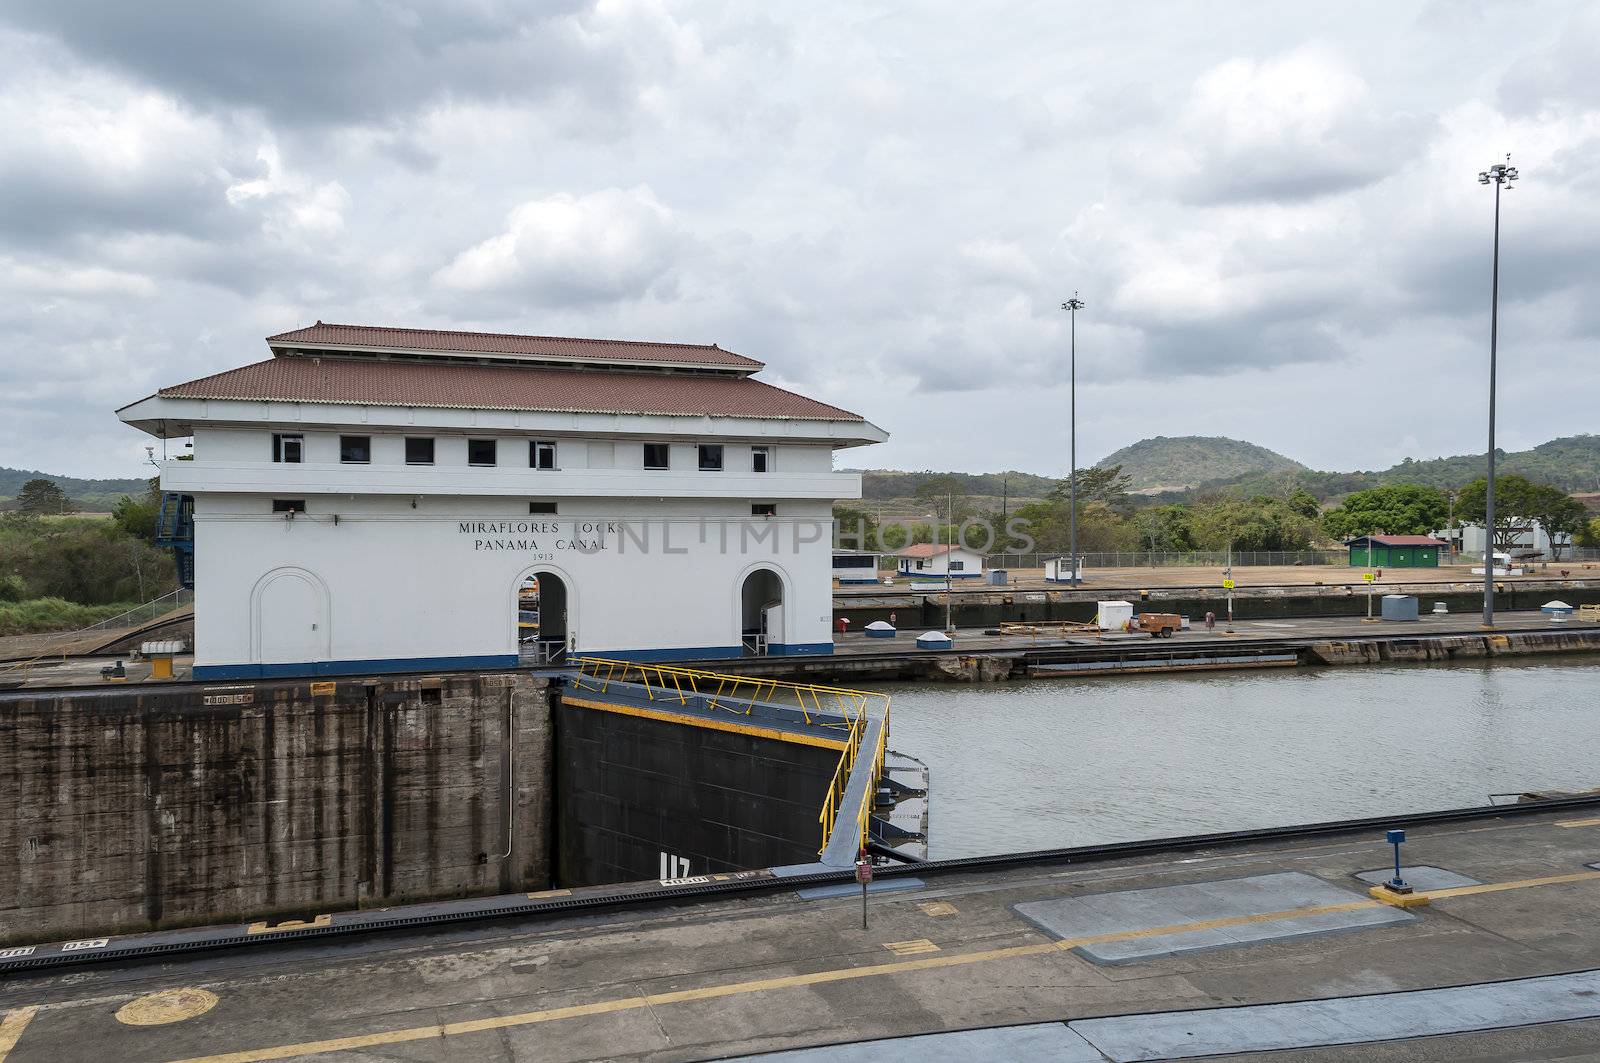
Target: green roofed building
{"x":1395,"y":551}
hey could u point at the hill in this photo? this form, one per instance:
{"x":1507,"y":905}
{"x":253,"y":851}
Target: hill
{"x":1571,"y":463}
{"x":1168,"y":463}
{"x":91,"y":495}
{"x":891,"y":483}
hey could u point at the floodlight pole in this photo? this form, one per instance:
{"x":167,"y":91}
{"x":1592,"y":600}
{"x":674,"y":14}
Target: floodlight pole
{"x":1499,"y":175}
{"x":1072,"y":306}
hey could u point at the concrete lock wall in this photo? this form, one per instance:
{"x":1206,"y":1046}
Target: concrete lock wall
{"x":644,"y":798}
{"x":128,"y":809}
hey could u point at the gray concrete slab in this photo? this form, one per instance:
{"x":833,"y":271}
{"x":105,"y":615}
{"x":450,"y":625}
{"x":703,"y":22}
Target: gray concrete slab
{"x":1201,"y":902}
{"x":1344,"y":1020}
{"x":850,"y":889}
{"x":1418,"y":877}
{"x":1047,"y":1040}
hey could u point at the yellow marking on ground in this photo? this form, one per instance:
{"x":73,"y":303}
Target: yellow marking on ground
{"x":289,"y":924}
{"x":1579,"y":822}
{"x":11,"y":1028}
{"x":167,"y":1006}
{"x":937,"y":908}
{"x":1520,"y":884}
{"x":709,"y":724}
{"x":542,"y":894}
{"x":843,"y":974}
{"x":910,"y":948}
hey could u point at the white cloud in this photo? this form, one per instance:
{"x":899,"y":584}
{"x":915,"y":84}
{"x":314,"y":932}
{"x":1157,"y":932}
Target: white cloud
{"x":608,"y":245}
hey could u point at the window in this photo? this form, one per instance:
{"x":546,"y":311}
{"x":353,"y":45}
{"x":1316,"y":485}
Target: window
{"x":541,"y":454}
{"x":957,"y":566}
{"x":480,"y":452}
{"x":710,"y":457}
{"x":763,"y":509}
{"x":356,"y":449}
{"x":919,"y":565}
{"x":419,"y":450}
{"x":288,"y":505}
{"x":546,"y":509}
{"x":289,"y":449}
{"x":655,"y":455}
{"x":760,"y":459}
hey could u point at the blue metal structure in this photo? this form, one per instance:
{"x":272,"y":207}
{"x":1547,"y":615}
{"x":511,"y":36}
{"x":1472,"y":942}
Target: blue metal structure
{"x":175,"y":529}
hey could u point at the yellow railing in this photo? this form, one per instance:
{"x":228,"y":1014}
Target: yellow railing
{"x":820,"y":706}
{"x":834,"y":708}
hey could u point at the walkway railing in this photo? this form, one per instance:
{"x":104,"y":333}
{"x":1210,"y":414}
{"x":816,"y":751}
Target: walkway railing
{"x":142,"y":614}
{"x":833,"y":708}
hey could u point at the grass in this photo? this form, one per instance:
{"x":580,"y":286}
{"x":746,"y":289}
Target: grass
{"x":37,"y":615}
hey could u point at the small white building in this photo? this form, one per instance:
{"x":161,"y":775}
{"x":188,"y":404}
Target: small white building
{"x":937,"y":560}
{"x":378,"y":499}
{"x":855,"y":567}
{"x":1059,"y":570}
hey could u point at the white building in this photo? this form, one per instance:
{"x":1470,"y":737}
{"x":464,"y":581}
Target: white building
{"x":376,"y":499}
{"x":855,"y":567}
{"x":1468,"y":539}
{"x":936,"y":560}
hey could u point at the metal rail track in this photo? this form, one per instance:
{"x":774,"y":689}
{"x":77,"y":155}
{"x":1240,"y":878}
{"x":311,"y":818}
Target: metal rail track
{"x":524,"y":907}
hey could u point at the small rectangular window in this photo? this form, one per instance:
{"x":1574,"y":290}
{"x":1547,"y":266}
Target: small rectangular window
{"x":760,"y":459}
{"x":355,"y":449}
{"x":957,"y":566}
{"x":763,"y":509}
{"x":656,"y":455}
{"x":419,"y":450}
{"x":541,"y":454}
{"x":710,"y":457}
{"x":544,"y":509}
{"x":289,"y":449}
{"x":480,"y":452}
{"x":288,"y":505}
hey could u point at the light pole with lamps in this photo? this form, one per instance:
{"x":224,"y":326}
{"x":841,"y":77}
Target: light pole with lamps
{"x":1500,"y":175}
{"x":1072,"y":306}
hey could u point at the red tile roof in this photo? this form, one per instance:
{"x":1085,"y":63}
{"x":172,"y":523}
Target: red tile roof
{"x":930,"y":550}
{"x":375,"y":382}
{"x":558,"y":348}
{"x":1401,"y":540}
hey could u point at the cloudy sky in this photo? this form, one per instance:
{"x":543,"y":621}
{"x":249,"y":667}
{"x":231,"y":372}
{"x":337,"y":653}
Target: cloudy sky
{"x":1270,"y":210}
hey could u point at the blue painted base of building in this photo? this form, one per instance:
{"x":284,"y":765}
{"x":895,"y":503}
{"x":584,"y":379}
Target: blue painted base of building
{"x":300,"y":669}
{"x":847,"y":582}
{"x":314,"y":668}
{"x":711,"y":653}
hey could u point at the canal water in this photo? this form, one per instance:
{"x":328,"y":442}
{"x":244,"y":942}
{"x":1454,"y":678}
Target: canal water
{"x":1046,"y":763}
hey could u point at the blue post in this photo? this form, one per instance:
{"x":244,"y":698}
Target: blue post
{"x":1395,"y":837}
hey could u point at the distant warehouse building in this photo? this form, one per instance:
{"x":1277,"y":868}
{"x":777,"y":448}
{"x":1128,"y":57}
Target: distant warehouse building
{"x":381,"y":500}
{"x":1395,"y":551}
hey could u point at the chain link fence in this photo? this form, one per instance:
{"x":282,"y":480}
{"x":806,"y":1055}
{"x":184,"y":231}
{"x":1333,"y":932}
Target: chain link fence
{"x":1176,"y":558}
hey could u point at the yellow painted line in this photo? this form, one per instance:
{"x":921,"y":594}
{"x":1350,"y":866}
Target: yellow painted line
{"x":910,"y":948}
{"x":11,"y":1028}
{"x":1579,"y":822}
{"x":1521,"y":884}
{"x":712,"y":725}
{"x":845,"y":974}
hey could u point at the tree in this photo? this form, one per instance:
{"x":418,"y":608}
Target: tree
{"x":137,"y":515}
{"x":1519,"y":504}
{"x":1304,"y":502}
{"x":1164,"y":528}
{"x":40,"y":496}
{"x":1398,"y":509}
{"x":1561,"y":516}
{"x":1589,"y":537}
{"x":1096,"y":484}
{"x":1260,"y":523}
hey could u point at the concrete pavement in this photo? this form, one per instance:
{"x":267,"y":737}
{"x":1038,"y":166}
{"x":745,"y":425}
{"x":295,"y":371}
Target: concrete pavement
{"x":772,"y":972}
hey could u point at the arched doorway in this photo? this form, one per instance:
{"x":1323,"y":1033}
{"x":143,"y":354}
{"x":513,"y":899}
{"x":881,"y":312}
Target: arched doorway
{"x":542,"y":618}
{"x":761,"y":612}
{"x":290,"y":618}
